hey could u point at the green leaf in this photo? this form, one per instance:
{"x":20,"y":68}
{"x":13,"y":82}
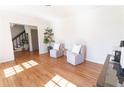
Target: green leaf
{"x":48,"y":35}
{"x":46,"y":41}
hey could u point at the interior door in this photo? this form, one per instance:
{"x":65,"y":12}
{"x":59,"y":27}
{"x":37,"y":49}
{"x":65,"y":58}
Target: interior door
{"x":34,"y":36}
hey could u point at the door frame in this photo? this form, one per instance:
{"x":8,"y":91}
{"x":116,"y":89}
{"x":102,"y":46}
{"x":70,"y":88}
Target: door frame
{"x":28,"y":37}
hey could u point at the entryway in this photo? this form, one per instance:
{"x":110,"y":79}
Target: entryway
{"x":24,"y":38}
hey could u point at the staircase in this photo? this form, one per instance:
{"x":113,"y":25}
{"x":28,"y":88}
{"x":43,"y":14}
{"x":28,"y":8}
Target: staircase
{"x":19,"y":41}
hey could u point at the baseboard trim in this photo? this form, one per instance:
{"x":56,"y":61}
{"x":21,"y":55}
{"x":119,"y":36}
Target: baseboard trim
{"x":93,"y":61}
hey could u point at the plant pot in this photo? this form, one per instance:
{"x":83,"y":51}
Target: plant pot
{"x":49,"y":48}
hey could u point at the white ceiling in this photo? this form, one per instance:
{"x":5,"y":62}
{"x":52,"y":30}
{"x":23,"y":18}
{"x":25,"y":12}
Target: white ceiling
{"x":47,"y":12}
{"x":40,"y":11}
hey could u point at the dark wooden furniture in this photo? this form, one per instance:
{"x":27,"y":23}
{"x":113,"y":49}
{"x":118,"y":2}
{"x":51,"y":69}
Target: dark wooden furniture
{"x":112,"y":74}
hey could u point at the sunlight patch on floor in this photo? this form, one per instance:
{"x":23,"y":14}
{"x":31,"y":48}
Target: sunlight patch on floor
{"x":9,"y":72}
{"x":51,"y":84}
{"x":32,"y":63}
{"x":18,"y":68}
{"x":29,"y":64}
{"x":58,"y":81}
{"x":26,"y":65}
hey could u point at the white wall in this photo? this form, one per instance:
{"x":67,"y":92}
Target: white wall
{"x":6,"y":47}
{"x":100,"y":28}
{"x":16,"y":29}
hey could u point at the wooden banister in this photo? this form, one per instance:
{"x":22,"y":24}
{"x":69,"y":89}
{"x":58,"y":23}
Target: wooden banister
{"x":18,"y":40}
{"x":18,"y":35}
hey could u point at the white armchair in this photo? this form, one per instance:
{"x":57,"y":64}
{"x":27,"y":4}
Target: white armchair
{"x":76,"y":56}
{"x":57,"y":51}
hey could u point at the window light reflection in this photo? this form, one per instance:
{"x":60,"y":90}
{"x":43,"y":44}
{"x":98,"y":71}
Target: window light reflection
{"x":18,"y":68}
{"x":58,"y":81}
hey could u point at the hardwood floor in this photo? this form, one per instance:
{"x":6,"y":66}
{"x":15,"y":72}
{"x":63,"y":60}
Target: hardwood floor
{"x":34,"y":70}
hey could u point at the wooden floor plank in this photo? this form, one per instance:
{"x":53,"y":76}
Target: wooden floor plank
{"x":83,"y":75}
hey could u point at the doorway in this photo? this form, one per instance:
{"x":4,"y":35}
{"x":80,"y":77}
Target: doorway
{"x":34,"y":38}
{"x":19,"y":37}
{"x":24,"y":39}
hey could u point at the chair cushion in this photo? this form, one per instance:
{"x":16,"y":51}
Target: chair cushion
{"x":76,"y":49}
{"x":56,"y":46}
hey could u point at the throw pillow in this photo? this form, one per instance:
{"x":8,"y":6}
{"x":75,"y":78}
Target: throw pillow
{"x":76,"y":49}
{"x":56,"y":46}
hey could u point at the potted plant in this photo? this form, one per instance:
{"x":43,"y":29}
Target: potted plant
{"x":48,"y":38}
